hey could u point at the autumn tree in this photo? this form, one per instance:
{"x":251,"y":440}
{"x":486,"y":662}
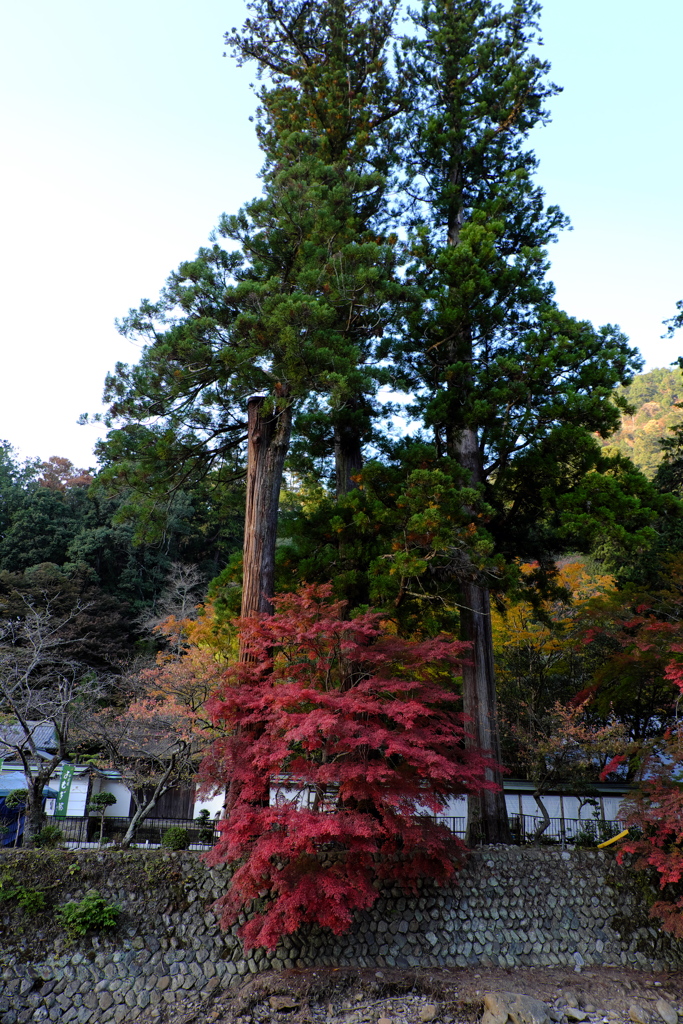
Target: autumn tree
{"x":359,"y":765}
{"x":59,"y":474}
{"x":654,"y":812}
{"x":178,"y":602}
{"x":542,"y":657}
{"x":156,"y":731}
{"x":569,"y":752}
{"x":43,"y":683}
{"x":631,"y":634}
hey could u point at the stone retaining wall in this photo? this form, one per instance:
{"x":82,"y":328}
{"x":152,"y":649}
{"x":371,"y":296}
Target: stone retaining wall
{"x":512,"y":907}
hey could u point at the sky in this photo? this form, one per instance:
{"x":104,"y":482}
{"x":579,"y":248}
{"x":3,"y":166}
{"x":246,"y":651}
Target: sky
{"x":126,"y":134}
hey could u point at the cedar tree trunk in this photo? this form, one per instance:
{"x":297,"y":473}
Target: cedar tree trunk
{"x":487,"y":820}
{"x":348,"y":459}
{"x":268,"y":442}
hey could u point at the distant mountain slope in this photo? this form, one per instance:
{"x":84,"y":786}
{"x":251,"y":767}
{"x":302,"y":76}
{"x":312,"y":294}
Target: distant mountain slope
{"x":654,"y":395}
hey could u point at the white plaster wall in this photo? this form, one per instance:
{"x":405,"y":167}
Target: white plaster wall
{"x":121,"y":808}
{"x":612,"y":805}
{"x":212,"y":804}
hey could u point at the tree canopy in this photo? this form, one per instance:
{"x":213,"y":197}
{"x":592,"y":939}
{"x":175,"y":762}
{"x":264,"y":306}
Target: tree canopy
{"x":400,"y":238}
{"x":363,"y":386}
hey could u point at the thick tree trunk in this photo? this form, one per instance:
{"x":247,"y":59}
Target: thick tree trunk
{"x":348,"y":459}
{"x":487,"y":820}
{"x":268,"y":442}
{"x":36,"y":818}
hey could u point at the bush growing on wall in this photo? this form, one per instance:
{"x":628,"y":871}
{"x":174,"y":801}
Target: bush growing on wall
{"x":176,"y":838}
{"x":92,"y":913}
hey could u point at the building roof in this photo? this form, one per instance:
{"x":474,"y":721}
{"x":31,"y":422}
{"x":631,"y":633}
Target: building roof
{"x":17,"y":780}
{"x":617,"y":788}
{"x":13,"y":736}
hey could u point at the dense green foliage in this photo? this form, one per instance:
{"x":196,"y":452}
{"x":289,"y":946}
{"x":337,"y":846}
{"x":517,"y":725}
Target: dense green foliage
{"x":175,"y":838}
{"x":61,"y":533}
{"x":296,"y":311}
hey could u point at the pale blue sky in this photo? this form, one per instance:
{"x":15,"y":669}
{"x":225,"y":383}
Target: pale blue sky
{"x":125,"y":135}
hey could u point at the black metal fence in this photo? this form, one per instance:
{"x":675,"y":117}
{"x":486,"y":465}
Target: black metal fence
{"x":84,"y":831}
{"x":77,"y":832}
{"x":563,"y":831}
{"x":560,"y":831}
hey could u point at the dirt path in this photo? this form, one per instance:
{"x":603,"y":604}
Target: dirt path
{"x":343,"y":996}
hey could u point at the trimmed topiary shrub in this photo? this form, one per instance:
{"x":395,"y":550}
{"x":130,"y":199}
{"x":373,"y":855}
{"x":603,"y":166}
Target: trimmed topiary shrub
{"x":176,"y":838}
{"x":49,"y":837}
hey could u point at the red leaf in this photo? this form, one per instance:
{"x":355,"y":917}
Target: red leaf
{"x":366,"y":726}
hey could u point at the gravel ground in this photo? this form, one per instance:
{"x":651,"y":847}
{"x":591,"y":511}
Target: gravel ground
{"x":608,"y":995}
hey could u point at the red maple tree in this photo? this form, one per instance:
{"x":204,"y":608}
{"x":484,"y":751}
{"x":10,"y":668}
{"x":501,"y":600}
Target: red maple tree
{"x":358,"y":733}
{"x":655,"y":814}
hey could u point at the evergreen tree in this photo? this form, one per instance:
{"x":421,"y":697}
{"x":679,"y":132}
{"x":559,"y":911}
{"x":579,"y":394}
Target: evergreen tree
{"x":308,"y":317}
{"x":296,"y":314}
{"x":510,"y":386}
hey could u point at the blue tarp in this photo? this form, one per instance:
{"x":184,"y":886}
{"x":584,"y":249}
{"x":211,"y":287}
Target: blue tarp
{"x":13,"y":819}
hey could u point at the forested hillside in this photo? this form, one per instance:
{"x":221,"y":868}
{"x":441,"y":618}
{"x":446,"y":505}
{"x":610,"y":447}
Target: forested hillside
{"x":655,"y":396}
{"x":69,"y":548}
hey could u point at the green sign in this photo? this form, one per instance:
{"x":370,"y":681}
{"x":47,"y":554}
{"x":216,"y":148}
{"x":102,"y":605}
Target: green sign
{"x":65,"y":778}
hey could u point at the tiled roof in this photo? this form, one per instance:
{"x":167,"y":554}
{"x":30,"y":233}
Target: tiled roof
{"x":12,"y":736}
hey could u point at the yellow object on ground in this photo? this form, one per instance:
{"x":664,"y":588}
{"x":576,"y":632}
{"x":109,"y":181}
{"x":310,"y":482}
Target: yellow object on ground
{"x":614,"y":839}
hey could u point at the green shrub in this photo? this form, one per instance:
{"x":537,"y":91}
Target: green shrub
{"x":92,"y":913}
{"x":176,"y":838}
{"x":206,"y":832}
{"x":32,"y":901}
{"x":593,"y":832}
{"x":98,"y":806}
{"x":49,"y":837}
{"x":16,"y":799}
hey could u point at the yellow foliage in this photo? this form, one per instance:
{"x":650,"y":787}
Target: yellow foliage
{"x":520,"y":625}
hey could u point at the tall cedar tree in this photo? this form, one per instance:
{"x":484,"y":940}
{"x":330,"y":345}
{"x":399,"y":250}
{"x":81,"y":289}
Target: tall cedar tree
{"x":362,"y":763}
{"x":510,"y":386}
{"x":295,"y":314}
